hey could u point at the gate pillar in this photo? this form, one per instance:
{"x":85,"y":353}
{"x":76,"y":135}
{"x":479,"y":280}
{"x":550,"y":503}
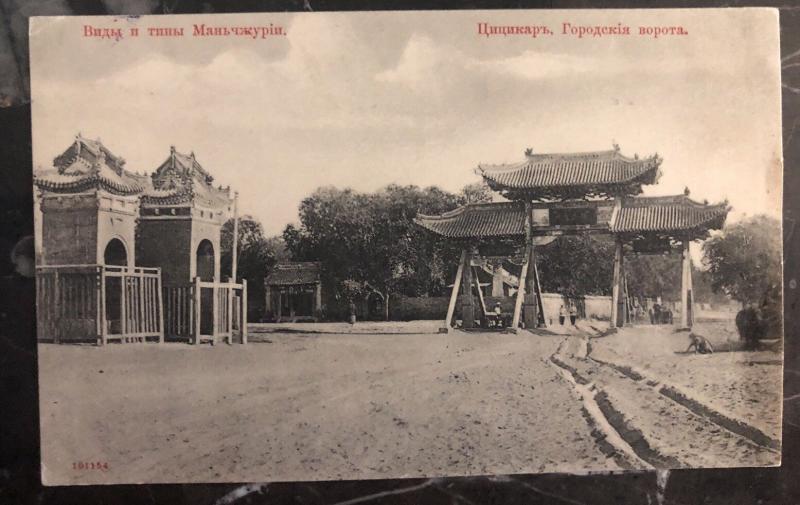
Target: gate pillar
{"x":687,"y":305}
{"x":467,"y":301}
{"x":618,"y":290}
{"x":530,"y":305}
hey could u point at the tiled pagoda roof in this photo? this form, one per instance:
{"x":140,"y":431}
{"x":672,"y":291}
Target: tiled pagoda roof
{"x":293,"y":274}
{"x":668,"y":214}
{"x":569,"y":175}
{"x":504,"y":219}
{"x":88,"y":164}
{"x":181,"y":179}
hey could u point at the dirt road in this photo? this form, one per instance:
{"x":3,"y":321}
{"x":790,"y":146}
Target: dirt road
{"x":312,"y":407}
{"x":342,"y":406}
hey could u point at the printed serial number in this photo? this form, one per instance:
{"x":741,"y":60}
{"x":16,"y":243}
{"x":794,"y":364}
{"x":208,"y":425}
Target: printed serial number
{"x":90,"y":465}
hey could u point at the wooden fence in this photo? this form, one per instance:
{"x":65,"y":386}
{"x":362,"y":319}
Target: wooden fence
{"x":98,"y":303}
{"x":206,"y":311}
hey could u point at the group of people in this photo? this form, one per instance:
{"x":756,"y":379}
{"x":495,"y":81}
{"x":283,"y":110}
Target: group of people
{"x":563,"y":312}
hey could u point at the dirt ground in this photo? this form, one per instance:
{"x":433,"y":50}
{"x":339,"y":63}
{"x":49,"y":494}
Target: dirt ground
{"x":386,"y":400}
{"x":307,"y":407}
{"x":742,"y":385}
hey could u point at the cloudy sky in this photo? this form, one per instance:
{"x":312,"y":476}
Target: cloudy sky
{"x":364,"y":100}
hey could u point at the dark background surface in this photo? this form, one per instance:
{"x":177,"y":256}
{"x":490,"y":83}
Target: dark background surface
{"x":19,"y":438}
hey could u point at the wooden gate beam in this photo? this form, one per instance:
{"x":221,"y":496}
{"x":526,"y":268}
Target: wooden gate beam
{"x":480,"y":293}
{"x":617,"y":290}
{"x":454,"y":294}
{"x":687,"y":297}
{"x":244,"y":311}
{"x":521,"y":290}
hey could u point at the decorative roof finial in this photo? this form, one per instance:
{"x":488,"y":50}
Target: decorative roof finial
{"x":191,"y":154}
{"x":529,"y":151}
{"x":172,"y":149}
{"x":686,"y":191}
{"x":616,"y":146}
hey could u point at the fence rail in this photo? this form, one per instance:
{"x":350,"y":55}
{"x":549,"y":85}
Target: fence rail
{"x":79,"y":303}
{"x":98,"y":303}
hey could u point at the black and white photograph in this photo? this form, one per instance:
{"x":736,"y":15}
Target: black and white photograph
{"x":378,"y":245}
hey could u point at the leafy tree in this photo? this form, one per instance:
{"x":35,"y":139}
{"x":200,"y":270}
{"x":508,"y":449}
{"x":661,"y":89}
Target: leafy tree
{"x":744,"y":261}
{"x":371,"y":239}
{"x":256,"y":256}
{"x":477,"y":192}
{"x":577,"y":266}
{"x":654,"y":275}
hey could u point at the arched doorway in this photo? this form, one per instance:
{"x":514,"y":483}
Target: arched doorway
{"x":375,"y":308}
{"x":205,"y":270}
{"x":205,"y":260}
{"x":115,"y":254}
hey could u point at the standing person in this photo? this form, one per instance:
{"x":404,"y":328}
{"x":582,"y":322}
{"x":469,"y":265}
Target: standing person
{"x":562,"y":314}
{"x":573,"y":314}
{"x":498,"y":314}
{"x":352,"y":312}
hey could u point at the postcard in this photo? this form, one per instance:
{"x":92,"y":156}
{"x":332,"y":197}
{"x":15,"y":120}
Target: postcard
{"x":372,"y":245}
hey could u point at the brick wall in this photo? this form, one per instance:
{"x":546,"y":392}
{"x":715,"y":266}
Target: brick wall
{"x":404,"y":308}
{"x":166,"y":243}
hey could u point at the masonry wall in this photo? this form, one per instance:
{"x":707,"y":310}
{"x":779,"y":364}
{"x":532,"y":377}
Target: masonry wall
{"x":205,"y":230}
{"x":403,"y":308}
{"x":166,"y":243}
{"x":69,"y":231}
{"x":113,"y":225}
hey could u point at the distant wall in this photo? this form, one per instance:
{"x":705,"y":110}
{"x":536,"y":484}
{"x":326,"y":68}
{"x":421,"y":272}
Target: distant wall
{"x":402,"y":308}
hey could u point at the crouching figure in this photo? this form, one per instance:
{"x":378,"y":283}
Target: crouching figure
{"x":700,"y":344}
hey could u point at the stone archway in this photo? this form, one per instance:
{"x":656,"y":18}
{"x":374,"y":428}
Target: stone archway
{"x":205,"y":260}
{"x":115,"y":253}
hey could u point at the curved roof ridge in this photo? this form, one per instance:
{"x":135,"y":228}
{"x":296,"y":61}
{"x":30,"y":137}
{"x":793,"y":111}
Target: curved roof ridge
{"x":467,"y":207}
{"x":682,"y":199}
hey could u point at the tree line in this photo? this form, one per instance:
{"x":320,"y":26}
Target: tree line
{"x":369,"y":244}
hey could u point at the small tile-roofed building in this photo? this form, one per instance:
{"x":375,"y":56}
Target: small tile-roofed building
{"x":294,"y":292}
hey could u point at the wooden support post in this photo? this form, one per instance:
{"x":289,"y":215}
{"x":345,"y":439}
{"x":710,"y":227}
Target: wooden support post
{"x":102,"y":314}
{"x":123,"y":300}
{"x":617,"y":291}
{"x":160,"y":315}
{"x":467,"y":301}
{"x":214,"y":310}
{"x":451,"y":308}
{"x":268,"y":299}
{"x":229,"y":312}
{"x":480,"y":294}
{"x":318,"y":300}
{"x":687,"y":305}
{"x":523,"y":276}
{"x":56,"y":309}
{"x":539,"y":302}
{"x":197,"y":290}
{"x":141,"y":309}
{"x":530,"y":312}
{"x":244,"y":311}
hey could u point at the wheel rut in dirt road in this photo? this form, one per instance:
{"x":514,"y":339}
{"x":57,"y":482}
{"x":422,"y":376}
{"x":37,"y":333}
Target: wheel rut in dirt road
{"x":660,"y":431}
